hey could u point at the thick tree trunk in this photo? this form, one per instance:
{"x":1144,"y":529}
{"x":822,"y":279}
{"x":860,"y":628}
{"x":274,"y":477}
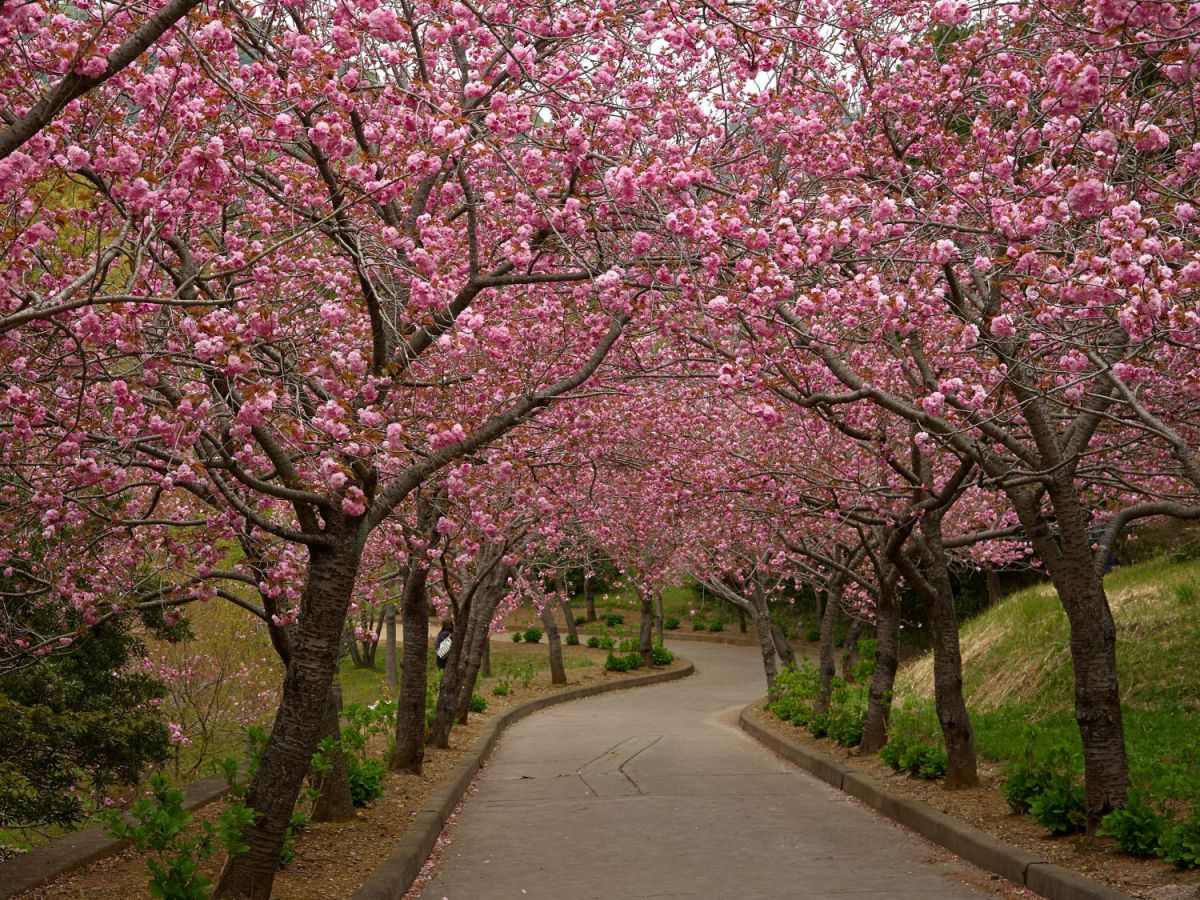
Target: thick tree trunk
{"x":1069,"y":562}
{"x":589,"y":602}
{"x":766,"y":641}
{"x":558,"y":674}
{"x":659,"y":618}
{"x":850,"y":649}
{"x":568,"y":613}
{"x":333,"y":803}
{"x":273,"y":791}
{"x":992,"y":578}
{"x":741,"y":620}
{"x":937,"y":595}
{"x":783,"y":647}
{"x":408,"y":754}
{"x":827,"y":666}
{"x":887,"y":660}
{"x":485,"y":665}
{"x":646,"y":629}
{"x":389,"y":647}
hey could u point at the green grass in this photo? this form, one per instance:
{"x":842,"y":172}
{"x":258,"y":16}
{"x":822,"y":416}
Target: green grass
{"x":1019,"y":687}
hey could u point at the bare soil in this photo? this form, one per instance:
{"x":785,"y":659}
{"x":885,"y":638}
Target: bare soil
{"x":333,"y":859}
{"x":984,"y":807}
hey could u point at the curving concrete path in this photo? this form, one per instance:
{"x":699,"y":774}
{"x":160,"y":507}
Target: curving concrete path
{"x":656,"y":793}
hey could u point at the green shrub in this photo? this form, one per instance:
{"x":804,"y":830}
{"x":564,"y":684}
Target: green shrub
{"x":865,"y":668}
{"x":627,"y":645}
{"x":159,"y":830}
{"x":1136,"y":827}
{"x":517,"y":636}
{"x":812,"y":634}
{"x":698,"y":624}
{"x":918,"y":759}
{"x":606,"y":642}
{"x":593,"y":641}
{"x":818,"y":725}
{"x":1023,"y":782}
{"x":671,"y":623}
{"x":612,"y":620}
{"x":366,"y":780}
{"x":661,"y":656}
{"x":572,"y":640}
{"x":533,"y":635}
{"x":581,"y":620}
{"x":1059,"y":808}
{"x":616,"y":663}
{"x":477,"y":704}
{"x":717,"y":626}
{"x":1180,"y":842}
{"x":848,"y":716}
{"x":501,"y":688}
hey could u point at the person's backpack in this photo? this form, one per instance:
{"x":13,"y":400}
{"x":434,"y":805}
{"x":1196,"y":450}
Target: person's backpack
{"x":443,"y":650}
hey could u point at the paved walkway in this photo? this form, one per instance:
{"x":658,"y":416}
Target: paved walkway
{"x":656,"y":793}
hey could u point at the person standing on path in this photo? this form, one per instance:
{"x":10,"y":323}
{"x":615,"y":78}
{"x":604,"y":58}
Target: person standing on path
{"x":443,"y":642}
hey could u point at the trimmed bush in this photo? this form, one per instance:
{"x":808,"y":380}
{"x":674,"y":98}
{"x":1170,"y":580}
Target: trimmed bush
{"x":477,"y":703}
{"x":612,"y":620}
{"x":581,"y":620}
{"x":572,"y":640}
{"x":516,"y":636}
{"x":698,"y":625}
{"x":661,"y":656}
{"x":671,"y":624}
{"x":593,"y":641}
{"x":717,"y":626}
{"x":533,"y":635}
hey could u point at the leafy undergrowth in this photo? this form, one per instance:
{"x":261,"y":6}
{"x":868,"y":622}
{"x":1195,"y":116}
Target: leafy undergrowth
{"x":1018,"y":683}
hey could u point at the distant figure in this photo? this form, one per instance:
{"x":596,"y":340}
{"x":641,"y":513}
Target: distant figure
{"x":443,"y":642}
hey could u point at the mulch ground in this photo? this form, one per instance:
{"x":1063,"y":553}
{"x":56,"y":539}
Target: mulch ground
{"x":984,"y":807}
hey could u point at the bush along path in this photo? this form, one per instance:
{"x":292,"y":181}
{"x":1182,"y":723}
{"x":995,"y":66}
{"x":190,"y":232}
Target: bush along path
{"x":672,"y":800}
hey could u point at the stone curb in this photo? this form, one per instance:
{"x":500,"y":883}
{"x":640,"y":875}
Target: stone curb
{"x":1018,"y":866}
{"x":392,"y":878}
{"x":66,"y":854}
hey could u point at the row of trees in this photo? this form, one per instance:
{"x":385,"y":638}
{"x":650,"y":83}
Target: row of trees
{"x":302,"y":302}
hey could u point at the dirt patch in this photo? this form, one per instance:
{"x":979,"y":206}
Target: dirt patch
{"x":334,"y":859}
{"x":1097,"y":858}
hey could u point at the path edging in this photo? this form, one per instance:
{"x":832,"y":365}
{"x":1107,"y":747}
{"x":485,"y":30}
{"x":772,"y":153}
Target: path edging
{"x":1019,"y":866}
{"x":73,"y":851}
{"x":392,"y":878}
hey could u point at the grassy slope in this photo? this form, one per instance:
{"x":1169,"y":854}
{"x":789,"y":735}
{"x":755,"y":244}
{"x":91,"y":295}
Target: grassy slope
{"x":1018,"y":683}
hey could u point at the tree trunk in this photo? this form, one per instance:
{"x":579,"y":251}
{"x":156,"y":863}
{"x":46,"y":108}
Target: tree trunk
{"x":558,"y":674}
{"x":850,"y":649}
{"x":828,"y":669}
{"x":741,"y":620}
{"x":646,"y":629}
{"x":568,"y":613}
{"x":1066,"y":552}
{"x":766,"y":643}
{"x":389,"y":648}
{"x":887,"y":660}
{"x":783,"y":646}
{"x":333,"y":803}
{"x":485,"y":665}
{"x":992,"y":578}
{"x":351,"y":646}
{"x":589,"y":601}
{"x":659,"y":618}
{"x":408,"y":754}
{"x":937,"y":595}
{"x":273,"y":791}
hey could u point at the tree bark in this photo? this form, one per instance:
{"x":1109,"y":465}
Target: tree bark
{"x":659,"y":619}
{"x":389,"y":648}
{"x":568,"y":613}
{"x":887,"y":660}
{"x":827,"y":667}
{"x":273,"y":791}
{"x":741,"y":620}
{"x":589,"y":601}
{"x":558,"y":674}
{"x":408,"y":754}
{"x":646,"y":629}
{"x":934,"y":589}
{"x":850,"y":649}
{"x":333,"y":803}
{"x":485,"y":665}
{"x":992,"y":578}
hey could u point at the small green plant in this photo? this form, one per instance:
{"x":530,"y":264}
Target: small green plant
{"x":671,"y":623}
{"x":477,"y":704}
{"x":1059,"y":808}
{"x":517,"y":637}
{"x":593,"y":641}
{"x":606,"y":642}
{"x":918,"y":759}
{"x":1023,"y":782}
{"x":818,"y":725}
{"x":158,"y":830}
{"x":572,"y":640}
{"x":501,"y":688}
{"x":661,"y":656}
{"x":614,"y":663}
{"x":865,"y":668}
{"x":698,"y":624}
{"x":366,"y":780}
{"x":627,"y":645}
{"x":634,"y":660}
{"x":812,"y":634}
{"x":717,"y":626}
{"x":1180,"y":842}
{"x":1136,"y":827}
{"x":581,"y":620}
{"x":1187,"y":593}
{"x":533,"y":635}
{"x":612,"y":620}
